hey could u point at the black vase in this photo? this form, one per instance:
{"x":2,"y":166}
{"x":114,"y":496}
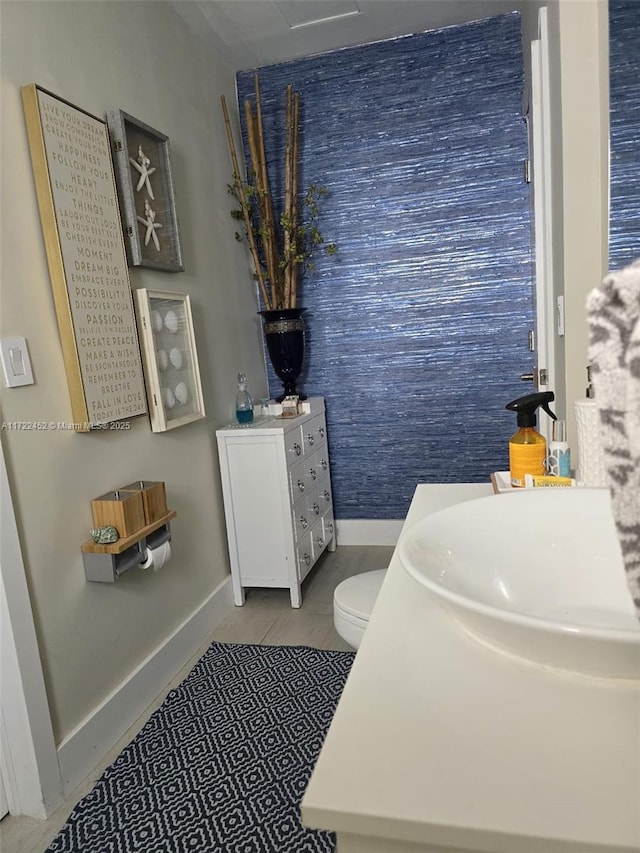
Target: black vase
{"x":284,"y":334}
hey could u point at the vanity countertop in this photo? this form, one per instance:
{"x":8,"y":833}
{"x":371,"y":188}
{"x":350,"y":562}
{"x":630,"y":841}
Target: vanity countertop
{"x":442,"y":744}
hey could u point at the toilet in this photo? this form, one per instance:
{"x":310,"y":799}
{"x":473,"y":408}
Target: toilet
{"x":353,"y":601}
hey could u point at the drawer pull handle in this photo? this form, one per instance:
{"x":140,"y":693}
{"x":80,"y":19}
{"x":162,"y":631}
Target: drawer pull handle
{"x":320,"y":541}
{"x":312,"y":472}
{"x":321,"y":431}
{"x":324,"y":464}
{"x":301,"y":485}
{"x":310,"y":438}
{"x":327,"y":496}
{"x":297,"y":449}
{"x":307,"y":559}
{"x":316,"y":509}
{"x":303,"y":523}
{"x":330,"y":526}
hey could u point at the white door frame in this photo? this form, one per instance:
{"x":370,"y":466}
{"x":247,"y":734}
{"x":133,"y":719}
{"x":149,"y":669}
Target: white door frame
{"x":540,"y":110}
{"x":28,"y":756}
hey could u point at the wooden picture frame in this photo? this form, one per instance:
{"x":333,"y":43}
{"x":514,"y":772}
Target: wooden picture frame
{"x":170,"y":358}
{"x":76,"y":193}
{"x":145,"y":189}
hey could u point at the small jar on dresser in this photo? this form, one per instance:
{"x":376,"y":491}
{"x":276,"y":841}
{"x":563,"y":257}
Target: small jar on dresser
{"x":276,"y":485}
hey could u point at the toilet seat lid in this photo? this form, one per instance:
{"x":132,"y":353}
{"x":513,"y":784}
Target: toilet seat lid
{"x":357,"y":595}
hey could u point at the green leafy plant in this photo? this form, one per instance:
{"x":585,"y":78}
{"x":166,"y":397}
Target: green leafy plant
{"x":281,"y":247}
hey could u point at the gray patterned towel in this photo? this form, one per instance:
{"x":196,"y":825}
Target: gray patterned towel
{"x":614,"y":353}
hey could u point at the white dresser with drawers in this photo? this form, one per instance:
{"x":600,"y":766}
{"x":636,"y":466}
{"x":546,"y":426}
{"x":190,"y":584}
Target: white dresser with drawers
{"x":278,"y":505}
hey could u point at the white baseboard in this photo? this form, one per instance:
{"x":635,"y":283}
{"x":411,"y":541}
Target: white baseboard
{"x":387,"y":531}
{"x":364,"y":531}
{"x":91,"y":740}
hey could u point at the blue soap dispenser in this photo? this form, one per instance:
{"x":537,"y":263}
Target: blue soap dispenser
{"x":244,"y":403}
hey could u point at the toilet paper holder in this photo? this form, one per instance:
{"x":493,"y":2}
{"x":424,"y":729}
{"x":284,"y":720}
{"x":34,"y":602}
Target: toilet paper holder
{"x":106,"y":563}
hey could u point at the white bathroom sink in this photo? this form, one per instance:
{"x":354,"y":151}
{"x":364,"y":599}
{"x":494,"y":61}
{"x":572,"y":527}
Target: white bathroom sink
{"x":538,"y":574}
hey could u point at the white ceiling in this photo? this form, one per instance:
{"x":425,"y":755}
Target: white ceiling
{"x":251,"y":33}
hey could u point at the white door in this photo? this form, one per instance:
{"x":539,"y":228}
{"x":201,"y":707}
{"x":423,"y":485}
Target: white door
{"x":540,"y":147}
{"x":28,"y":758}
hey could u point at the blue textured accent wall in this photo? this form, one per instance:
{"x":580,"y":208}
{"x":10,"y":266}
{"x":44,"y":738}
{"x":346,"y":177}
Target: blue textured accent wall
{"x":417,"y":331}
{"x":624,"y":98}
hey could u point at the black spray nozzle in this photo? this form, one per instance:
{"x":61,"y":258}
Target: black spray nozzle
{"x":526,"y":407}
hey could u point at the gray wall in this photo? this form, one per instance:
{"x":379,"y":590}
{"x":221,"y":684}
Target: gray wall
{"x":139,"y":57}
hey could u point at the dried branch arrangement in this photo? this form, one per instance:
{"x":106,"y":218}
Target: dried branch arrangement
{"x":281,"y":246}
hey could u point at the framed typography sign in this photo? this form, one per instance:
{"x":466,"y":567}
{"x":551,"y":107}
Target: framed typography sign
{"x":80,"y":218}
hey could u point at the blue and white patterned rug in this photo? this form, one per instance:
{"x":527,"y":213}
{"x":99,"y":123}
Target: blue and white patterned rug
{"x":222,"y":765}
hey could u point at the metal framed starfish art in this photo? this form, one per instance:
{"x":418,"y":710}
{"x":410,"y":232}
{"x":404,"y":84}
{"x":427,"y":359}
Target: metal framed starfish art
{"x":145,"y":192}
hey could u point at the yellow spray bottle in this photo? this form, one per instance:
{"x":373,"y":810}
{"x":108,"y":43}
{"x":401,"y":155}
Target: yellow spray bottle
{"x":527,"y":448}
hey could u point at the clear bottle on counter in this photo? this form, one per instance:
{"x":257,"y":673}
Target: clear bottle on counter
{"x":244,"y":403}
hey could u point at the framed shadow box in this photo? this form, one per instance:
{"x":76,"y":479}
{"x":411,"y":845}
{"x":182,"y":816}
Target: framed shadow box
{"x":170,"y":359}
{"x":145,"y":191}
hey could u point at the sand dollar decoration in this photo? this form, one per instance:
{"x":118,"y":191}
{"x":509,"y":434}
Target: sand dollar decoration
{"x":168,"y":397}
{"x":175,"y":357}
{"x":156,"y":319}
{"x":182,"y":393}
{"x":163,"y":359}
{"x":171,"y":322}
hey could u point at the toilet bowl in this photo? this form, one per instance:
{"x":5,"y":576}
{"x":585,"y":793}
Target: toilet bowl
{"x":353,"y":601}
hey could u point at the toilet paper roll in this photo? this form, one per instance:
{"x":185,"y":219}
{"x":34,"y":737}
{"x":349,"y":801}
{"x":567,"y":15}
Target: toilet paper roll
{"x":155,"y":558}
{"x":592,"y":470}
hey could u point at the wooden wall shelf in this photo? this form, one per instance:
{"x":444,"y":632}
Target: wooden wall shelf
{"x":106,"y":563}
{"x":121,"y":545}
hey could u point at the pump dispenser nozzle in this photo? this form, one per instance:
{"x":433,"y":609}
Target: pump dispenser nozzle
{"x":526,"y":407}
{"x":589,"y":392}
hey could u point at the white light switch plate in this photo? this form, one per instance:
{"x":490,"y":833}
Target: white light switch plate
{"x":16,"y":365}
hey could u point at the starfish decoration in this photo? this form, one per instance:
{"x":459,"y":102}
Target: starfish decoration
{"x":144,"y":167}
{"x":151,"y":225}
